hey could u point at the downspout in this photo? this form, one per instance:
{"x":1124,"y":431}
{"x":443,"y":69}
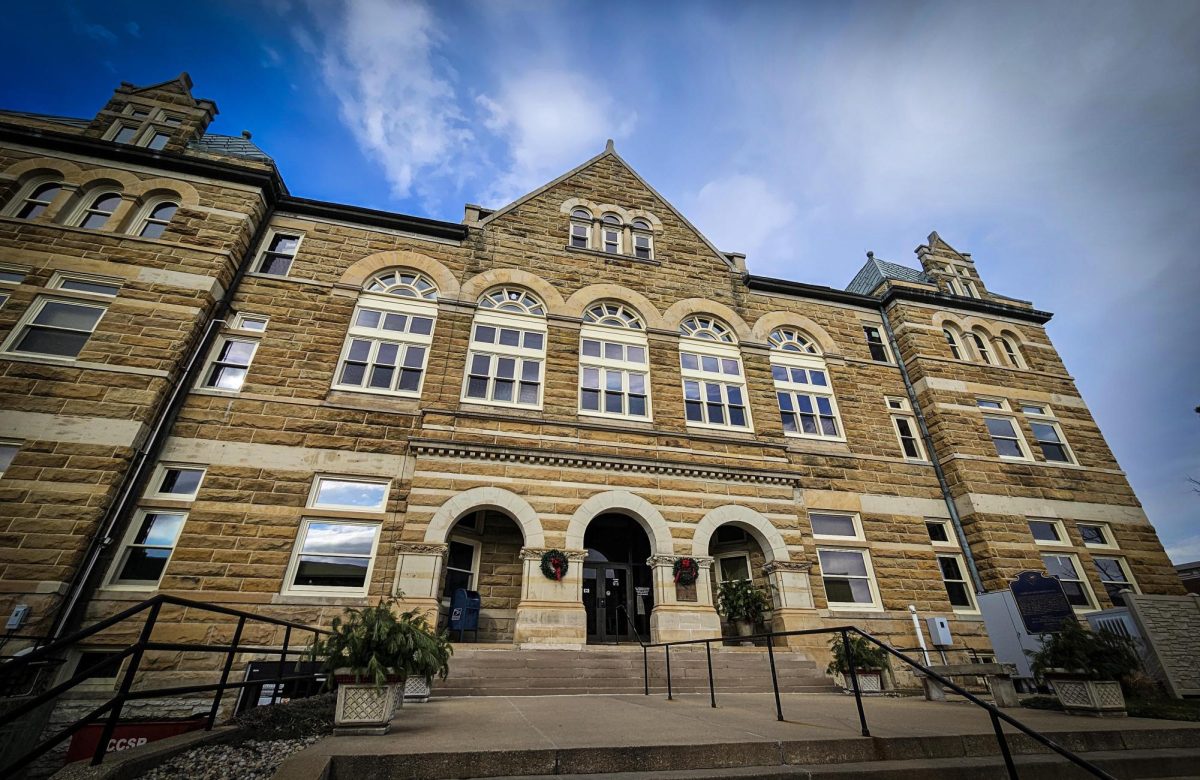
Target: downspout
{"x":955,"y":520}
{"x":148,"y":451}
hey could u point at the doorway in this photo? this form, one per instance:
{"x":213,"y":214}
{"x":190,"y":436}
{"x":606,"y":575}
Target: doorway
{"x":617,"y":591}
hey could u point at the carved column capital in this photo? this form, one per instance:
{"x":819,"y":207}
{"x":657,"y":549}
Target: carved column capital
{"x":536,"y":553}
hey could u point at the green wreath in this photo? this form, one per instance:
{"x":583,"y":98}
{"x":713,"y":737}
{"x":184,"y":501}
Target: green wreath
{"x":554,"y":565}
{"x":686,"y":571}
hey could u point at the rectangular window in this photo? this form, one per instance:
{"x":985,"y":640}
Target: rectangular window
{"x":910,"y":445}
{"x":939,"y":532}
{"x":255,"y":322}
{"x":228,"y":371}
{"x":332,"y":555}
{"x":612,"y":241}
{"x":828,"y":525}
{"x":1049,"y":439}
{"x":277,"y":256}
{"x":806,"y":403}
{"x":386,"y":350}
{"x":733,"y":567}
{"x":181,"y":483}
{"x":504,"y":365}
{"x":11,"y":276}
{"x":147,"y":548}
{"x":1065,"y":569}
{"x":849,"y":582}
{"x":8,"y":451}
{"x":579,"y":235}
{"x":1096,"y":535}
{"x":991,"y":403}
{"x":1004,"y":435}
{"x":1048,"y":532}
{"x":96,"y":285}
{"x":641,"y":247}
{"x":123,"y":133}
{"x":953,"y":575}
{"x":1114,"y":576}
{"x":156,"y":140}
{"x":354,"y":494}
{"x":55,"y":327}
{"x":875,"y":344}
{"x":462,"y":560}
{"x":613,"y":378}
{"x":713,"y":390}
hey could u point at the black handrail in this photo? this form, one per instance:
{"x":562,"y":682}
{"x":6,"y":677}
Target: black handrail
{"x":994,"y":714}
{"x":113,"y":706}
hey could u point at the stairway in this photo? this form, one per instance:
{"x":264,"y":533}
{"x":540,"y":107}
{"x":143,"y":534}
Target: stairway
{"x":498,"y":671}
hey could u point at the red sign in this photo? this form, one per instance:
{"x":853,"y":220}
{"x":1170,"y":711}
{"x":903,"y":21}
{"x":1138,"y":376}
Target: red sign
{"x":127,"y":735}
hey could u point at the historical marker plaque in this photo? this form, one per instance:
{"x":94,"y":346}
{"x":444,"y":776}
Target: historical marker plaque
{"x":1041,"y":602}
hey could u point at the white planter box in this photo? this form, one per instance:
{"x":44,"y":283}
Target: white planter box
{"x":869,"y":681}
{"x":1089,"y":697}
{"x":417,"y":689}
{"x":365,"y":708}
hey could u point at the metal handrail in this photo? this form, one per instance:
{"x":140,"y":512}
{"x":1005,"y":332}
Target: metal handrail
{"x":994,"y":713}
{"x":113,"y":706}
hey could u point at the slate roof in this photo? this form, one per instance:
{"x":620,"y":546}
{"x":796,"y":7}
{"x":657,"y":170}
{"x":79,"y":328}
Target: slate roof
{"x":875,"y":271}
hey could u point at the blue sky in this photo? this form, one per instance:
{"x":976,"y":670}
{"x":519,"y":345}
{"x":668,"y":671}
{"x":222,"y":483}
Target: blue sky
{"x":1059,"y":143}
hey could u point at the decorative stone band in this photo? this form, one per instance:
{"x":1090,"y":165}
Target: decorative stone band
{"x":669,"y":560}
{"x":774,"y":566}
{"x":608,"y":462}
{"x":421,"y":548}
{"x":536,"y":553}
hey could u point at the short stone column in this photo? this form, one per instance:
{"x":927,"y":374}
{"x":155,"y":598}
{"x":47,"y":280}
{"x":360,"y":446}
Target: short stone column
{"x":418,"y":572}
{"x":792,"y":608}
{"x":550,"y":614}
{"x":681,"y":612}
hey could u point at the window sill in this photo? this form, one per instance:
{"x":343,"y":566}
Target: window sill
{"x":475,"y":403}
{"x":747,"y":431}
{"x":635,"y":423}
{"x":613,"y":258}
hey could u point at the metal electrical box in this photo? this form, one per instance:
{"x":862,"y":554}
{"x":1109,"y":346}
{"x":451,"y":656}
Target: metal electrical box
{"x":939,"y":631}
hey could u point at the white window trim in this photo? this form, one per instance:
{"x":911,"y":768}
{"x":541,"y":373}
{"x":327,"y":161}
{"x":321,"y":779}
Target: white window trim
{"x":87,"y":198}
{"x":627,"y":337}
{"x":587,"y":233}
{"x":315,"y":488}
{"x":160,"y":471}
{"x":888,"y":358}
{"x":316,"y":590}
{"x":641,"y":233}
{"x":506,"y":320}
{"x":1110,"y":541}
{"x":111,"y":580}
{"x":1064,"y":540}
{"x":725,"y":556}
{"x":605,"y":227}
{"x":406,"y":306}
{"x":718,"y":350}
{"x":1093,"y":603}
{"x":265,"y":245}
{"x":240,"y":319}
{"x":127,"y":120}
{"x":59,"y":277}
{"x":902,"y":404}
{"x":966,"y":581}
{"x":854,"y":518}
{"x":808,"y":362}
{"x":11,"y":443}
{"x":142,"y":218}
{"x":1124,"y":564}
{"x":1062,"y":440}
{"x":1026,"y":455}
{"x":951,"y":537}
{"x":876,"y":604}
{"x":35,"y":308}
{"x":916,"y":435}
{"x":149,"y":131}
{"x":23,"y":195}
{"x":476,"y":560}
{"x":215,"y":352}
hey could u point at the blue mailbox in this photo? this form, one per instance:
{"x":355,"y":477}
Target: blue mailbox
{"x":464,"y":612}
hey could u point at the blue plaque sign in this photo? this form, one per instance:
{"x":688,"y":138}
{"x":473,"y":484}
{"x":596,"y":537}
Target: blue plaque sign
{"x":1041,"y":602}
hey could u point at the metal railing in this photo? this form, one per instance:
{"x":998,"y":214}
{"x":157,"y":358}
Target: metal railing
{"x":997,"y":717}
{"x":152,"y":608}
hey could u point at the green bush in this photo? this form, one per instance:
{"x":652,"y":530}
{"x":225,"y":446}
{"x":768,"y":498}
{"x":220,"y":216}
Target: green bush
{"x":1099,"y":655}
{"x":377,"y":642}
{"x":740,"y":600}
{"x":296,"y":719}
{"x":863,"y":653}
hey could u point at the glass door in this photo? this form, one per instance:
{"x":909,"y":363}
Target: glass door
{"x":607,"y":599}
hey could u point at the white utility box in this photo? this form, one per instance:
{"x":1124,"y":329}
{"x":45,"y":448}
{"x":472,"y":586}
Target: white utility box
{"x":939,"y":631}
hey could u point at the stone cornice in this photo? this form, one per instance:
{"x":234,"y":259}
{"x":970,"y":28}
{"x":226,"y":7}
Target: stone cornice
{"x":421,"y":548}
{"x":774,"y":566}
{"x":536,"y":553}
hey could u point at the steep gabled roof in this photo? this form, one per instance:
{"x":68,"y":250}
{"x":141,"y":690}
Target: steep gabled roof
{"x":609,"y":151}
{"x":875,"y":271}
{"x":70,"y":121}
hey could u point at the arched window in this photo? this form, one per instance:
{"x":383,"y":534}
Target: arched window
{"x":953,"y":342}
{"x":981,"y":347}
{"x":508,"y":349}
{"x":36,"y":198}
{"x":610,"y":233}
{"x":714,"y":389}
{"x":155,"y":217}
{"x":581,"y":228}
{"x":97,"y":210}
{"x":1011,"y":352}
{"x":387,"y":345}
{"x":643,"y":239}
{"x":614,"y":378}
{"x":807,"y":406}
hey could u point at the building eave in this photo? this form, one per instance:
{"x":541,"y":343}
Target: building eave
{"x":947,"y":302}
{"x":802,"y":290}
{"x":360,"y":215}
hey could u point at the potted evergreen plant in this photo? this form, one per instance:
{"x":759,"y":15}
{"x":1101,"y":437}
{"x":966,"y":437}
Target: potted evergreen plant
{"x":742,"y":604}
{"x":1085,"y":668}
{"x":868,"y":660}
{"x":371,"y":652}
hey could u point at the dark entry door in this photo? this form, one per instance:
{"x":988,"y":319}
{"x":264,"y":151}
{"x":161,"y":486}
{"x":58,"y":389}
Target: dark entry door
{"x":607,"y":599}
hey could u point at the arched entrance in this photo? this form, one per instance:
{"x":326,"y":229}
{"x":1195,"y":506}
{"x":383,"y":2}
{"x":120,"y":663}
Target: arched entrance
{"x":483,"y":554}
{"x":618,"y":589}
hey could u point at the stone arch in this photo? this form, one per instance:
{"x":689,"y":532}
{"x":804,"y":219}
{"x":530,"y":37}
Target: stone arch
{"x":361,"y":270}
{"x":41,"y":166}
{"x":622,"y":502}
{"x":486,"y":498}
{"x":758,"y":526}
{"x":627,"y":215}
{"x":578,"y":303}
{"x":478,"y":285}
{"x":776,"y":319}
{"x":98,"y":177}
{"x":680,"y":310}
{"x":150,"y":188}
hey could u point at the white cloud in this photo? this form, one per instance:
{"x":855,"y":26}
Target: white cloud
{"x":741,"y":213}
{"x":271,"y":57}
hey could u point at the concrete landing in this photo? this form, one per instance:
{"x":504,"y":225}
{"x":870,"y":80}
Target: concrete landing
{"x":557,"y":735}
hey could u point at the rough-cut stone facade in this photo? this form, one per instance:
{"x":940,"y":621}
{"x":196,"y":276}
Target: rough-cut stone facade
{"x":83,"y":424}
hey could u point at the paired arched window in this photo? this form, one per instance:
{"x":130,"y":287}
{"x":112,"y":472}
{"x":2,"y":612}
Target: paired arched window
{"x":614,"y":366}
{"x":97,"y":209}
{"x":807,"y":406}
{"x":154,"y":218}
{"x":610,"y":234}
{"x":714,"y":387}
{"x":508,"y":349}
{"x":952,"y":340}
{"x":387,"y":346}
{"x":35,"y":198}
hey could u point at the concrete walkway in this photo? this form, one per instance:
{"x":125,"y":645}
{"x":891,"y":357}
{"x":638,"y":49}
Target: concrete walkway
{"x":556,"y":723}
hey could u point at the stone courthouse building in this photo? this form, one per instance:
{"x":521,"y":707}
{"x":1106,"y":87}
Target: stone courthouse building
{"x":216,"y":389}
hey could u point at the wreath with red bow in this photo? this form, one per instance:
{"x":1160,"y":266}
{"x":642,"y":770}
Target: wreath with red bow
{"x":686,"y":571}
{"x":554,"y":565}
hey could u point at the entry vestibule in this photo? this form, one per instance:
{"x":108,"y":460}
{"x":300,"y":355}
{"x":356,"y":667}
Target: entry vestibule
{"x":618,"y":589}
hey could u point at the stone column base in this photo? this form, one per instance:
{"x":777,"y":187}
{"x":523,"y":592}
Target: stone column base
{"x":430,"y":607}
{"x":816,"y":645}
{"x":675,"y":622}
{"x":550,"y":624}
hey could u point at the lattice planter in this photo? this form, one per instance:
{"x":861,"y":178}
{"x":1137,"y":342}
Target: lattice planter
{"x":365,"y":708}
{"x":869,"y":681}
{"x":1079,"y":696}
{"x":418,"y":689}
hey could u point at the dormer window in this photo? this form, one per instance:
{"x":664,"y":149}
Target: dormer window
{"x":125,"y":133}
{"x":156,"y":140}
{"x":610,"y":229}
{"x":643,"y":246}
{"x":581,"y":228}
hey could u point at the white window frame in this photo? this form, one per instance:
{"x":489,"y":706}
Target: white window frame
{"x":315,"y":490}
{"x":883,"y":342}
{"x":59,"y":279}
{"x":1060,"y":529}
{"x":787,"y":360}
{"x":241,"y":318}
{"x":503,"y":319}
{"x":876,"y":604}
{"x":729,"y":555}
{"x":1018,"y":436}
{"x":720,"y":350}
{"x":1124,"y":564}
{"x":1110,"y":541}
{"x":973,"y":606}
{"x":265,"y":246}
{"x":24,"y":197}
{"x":130,"y":123}
{"x":626,"y":337}
{"x":86,"y":204}
{"x":160,"y":472}
{"x":855,"y":520}
{"x":951,"y":537}
{"x":112,"y":580}
{"x":1046,"y":417}
{"x":13,"y":269}
{"x":580,"y":222}
{"x":639,"y":232}
{"x":1080,"y":572}
{"x":476,"y":561}
{"x":916,"y":437}
{"x":617,"y":229}
{"x":1011,"y":351}
{"x":954,"y":340}
{"x":150,"y":133}
{"x":213,"y":357}
{"x":409,"y":307}
{"x":16,"y":445}
{"x":289,"y":586}
{"x":144,"y":217}
{"x":35,"y":308}
{"x":979,"y":345}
